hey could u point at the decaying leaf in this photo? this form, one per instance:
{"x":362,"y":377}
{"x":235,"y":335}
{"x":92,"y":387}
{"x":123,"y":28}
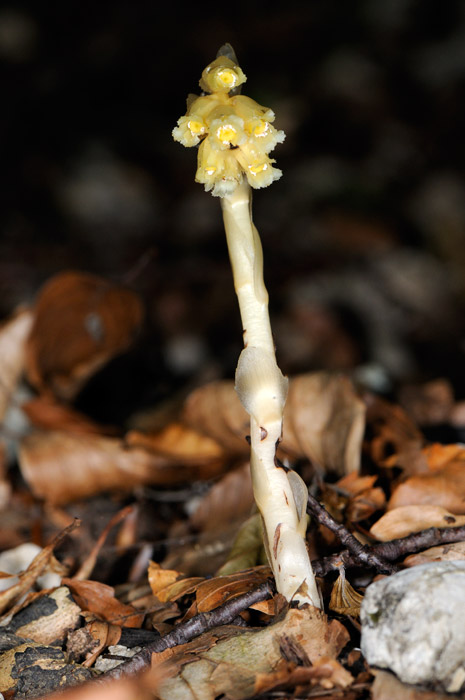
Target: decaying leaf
{"x":61,"y":467}
{"x":443,"y":484}
{"x":364,"y":498}
{"x":229,"y":500}
{"x":81,"y":321}
{"x":178,"y":442}
{"x":89,"y":641}
{"x":325,"y":673}
{"x":344,"y":599}
{"x":324,"y":420}
{"x":404,"y":520}
{"x":444,"y":552}
{"x":234,"y":665}
{"x":46,"y":413}
{"x":48,"y":618}
{"x":99,"y":599}
{"x":13,"y":337}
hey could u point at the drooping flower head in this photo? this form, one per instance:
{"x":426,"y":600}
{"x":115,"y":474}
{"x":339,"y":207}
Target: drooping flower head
{"x":235,"y":133}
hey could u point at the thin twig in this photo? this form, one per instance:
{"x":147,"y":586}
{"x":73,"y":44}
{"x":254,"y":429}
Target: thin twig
{"x":362,"y":554}
{"x":394,"y":549}
{"x":186,"y":631}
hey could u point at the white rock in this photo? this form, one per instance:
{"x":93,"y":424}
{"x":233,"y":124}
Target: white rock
{"x":413,"y":623}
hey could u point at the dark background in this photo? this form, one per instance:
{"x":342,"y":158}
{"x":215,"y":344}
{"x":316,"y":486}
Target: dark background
{"x":363,"y":236}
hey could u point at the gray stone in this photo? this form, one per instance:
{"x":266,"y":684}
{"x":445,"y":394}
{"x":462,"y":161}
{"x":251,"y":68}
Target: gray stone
{"x":413,"y":623}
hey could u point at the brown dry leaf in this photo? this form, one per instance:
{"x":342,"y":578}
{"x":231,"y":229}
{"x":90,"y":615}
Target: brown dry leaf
{"x":160,"y":578}
{"x":228,"y":501}
{"x":33,"y":571}
{"x":365,"y":499}
{"x":387,"y":686}
{"x":178,"y":442}
{"x":324,"y":419}
{"x":444,"y":552}
{"x":124,"y":689}
{"x":13,"y":337}
{"x":232,"y":665}
{"x":47,"y":414}
{"x":404,"y":520}
{"x":81,"y":322}
{"x":444,"y":485}
{"x":216,"y":591}
{"x":99,"y":599}
{"x":215,"y":410}
{"x":345,"y":600}
{"x":61,"y":467}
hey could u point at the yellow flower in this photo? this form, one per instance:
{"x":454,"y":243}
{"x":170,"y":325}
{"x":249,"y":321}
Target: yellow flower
{"x":218,"y":170}
{"x":235,"y":133}
{"x":221,"y":75}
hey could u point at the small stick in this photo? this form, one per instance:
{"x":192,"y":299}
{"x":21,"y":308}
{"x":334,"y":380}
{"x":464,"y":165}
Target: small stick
{"x":393,"y":549}
{"x":186,"y":631}
{"x":360,"y":553}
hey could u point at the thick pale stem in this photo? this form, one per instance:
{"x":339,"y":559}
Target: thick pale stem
{"x":281,"y":499}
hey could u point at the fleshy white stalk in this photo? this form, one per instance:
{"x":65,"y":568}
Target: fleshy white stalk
{"x":262,"y":390}
{"x":235,"y":136}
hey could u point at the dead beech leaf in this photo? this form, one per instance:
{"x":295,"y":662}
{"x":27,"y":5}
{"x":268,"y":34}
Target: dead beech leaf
{"x":46,"y":413}
{"x":160,"y":578}
{"x":404,"y":520}
{"x":13,"y":337}
{"x":365,"y":499}
{"x":81,"y":321}
{"x":228,"y":501}
{"x":444,"y":486}
{"x":215,"y":410}
{"x":430,"y":403}
{"x":214,"y":592}
{"x":61,"y":467}
{"x":98,"y":598}
{"x":90,"y":640}
{"x":444,"y":552}
{"x":178,"y":442}
{"x":324,"y":420}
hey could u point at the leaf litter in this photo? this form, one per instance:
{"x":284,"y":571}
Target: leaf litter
{"x":172,"y":503}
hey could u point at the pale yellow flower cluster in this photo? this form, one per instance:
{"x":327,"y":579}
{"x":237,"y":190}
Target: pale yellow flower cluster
{"x":235,"y":133}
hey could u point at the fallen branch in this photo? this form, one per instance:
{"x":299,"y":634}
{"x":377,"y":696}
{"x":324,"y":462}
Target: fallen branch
{"x":360,"y":553}
{"x":394,"y":549}
{"x":186,"y":631}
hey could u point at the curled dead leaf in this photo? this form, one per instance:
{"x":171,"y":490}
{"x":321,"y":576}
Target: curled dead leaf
{"x":444,"y":552}
{"x":443,"y":484}
{"x":404,"y":520}
{"x":345,"y":600}
{"x":99,"y":599}
{"x":61,"y":467}
{"x":81,"y":321}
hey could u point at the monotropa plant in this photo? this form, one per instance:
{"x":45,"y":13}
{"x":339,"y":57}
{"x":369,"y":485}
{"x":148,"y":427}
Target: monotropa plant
{"x":235,"y":136}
